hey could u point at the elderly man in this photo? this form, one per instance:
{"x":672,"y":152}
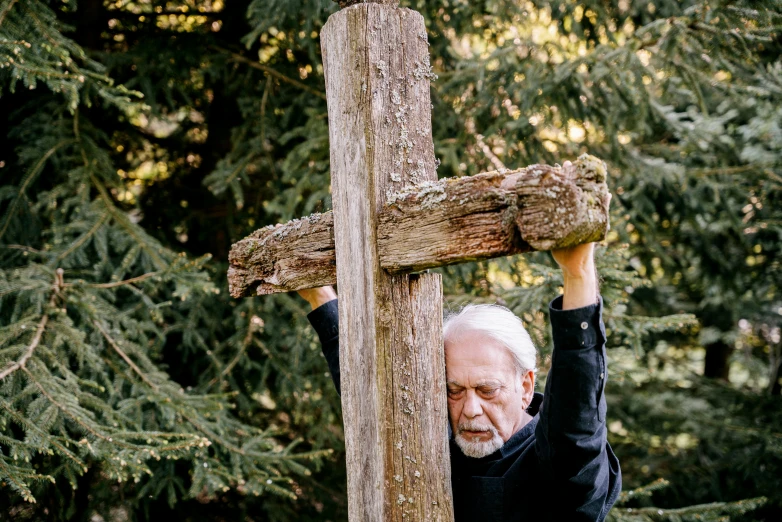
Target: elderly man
{"x":517,"y":454}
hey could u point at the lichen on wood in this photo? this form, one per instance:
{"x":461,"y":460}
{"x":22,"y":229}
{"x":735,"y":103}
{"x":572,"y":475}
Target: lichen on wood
{"x":435,"y":223}
{"x":563,"y":207}
{"x":493,"y":214}
{"x":284,"y":257}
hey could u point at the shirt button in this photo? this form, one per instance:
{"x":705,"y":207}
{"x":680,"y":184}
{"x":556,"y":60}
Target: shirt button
{"x":601,"y":376}
{"x":584,"y":325}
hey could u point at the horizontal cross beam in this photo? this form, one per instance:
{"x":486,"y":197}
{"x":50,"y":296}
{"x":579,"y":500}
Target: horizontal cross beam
{"x":433,"y":224}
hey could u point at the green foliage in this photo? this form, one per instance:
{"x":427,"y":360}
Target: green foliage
{"x":715,"y":511}
{"x":33,"y":49}
{"x":143,"y":137}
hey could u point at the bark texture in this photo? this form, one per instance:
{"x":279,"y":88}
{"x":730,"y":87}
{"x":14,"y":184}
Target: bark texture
{"x":282,"y":258}
{"x":562,"y":207}
{"x":450,"y":221}
{"x":494,"y":214}
{"x":415,"y":401}
{"x":436,"y":223}
{"x":376,"y":63}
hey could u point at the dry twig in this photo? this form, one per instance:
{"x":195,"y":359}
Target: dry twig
{"x":58,"y":284}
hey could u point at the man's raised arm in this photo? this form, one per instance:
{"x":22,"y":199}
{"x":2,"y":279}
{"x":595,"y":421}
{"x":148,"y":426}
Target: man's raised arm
{"x":325,"y":319}
{"x":571,"y":432}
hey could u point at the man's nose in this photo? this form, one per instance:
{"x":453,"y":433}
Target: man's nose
{"x":472,"y":405}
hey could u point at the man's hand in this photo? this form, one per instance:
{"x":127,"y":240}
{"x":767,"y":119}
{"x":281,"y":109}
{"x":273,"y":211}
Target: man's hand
{"x":576,"y":261}
{"x":318,"y":296}
{"x":579,"y":275}
{"x":578,"y":272}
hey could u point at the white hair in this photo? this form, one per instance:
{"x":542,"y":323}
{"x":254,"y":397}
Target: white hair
{"x":498,"y":323}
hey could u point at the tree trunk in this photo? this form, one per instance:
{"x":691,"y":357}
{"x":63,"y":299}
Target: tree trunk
{"x":717,"y":364}
{"x":91,"y":22}
{"x":775,"y":386}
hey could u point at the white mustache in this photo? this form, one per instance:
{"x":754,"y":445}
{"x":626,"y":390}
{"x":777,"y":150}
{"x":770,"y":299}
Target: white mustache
{"x":474,"y":426}
{"x":477,"y":449}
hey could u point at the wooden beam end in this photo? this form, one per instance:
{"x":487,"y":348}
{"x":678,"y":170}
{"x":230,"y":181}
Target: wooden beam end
{"x":284,"y":258}
{"x":559,"y":207}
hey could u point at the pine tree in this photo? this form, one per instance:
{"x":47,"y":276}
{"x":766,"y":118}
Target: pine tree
{"x":143,"y":137}
{"x":89,"y":300}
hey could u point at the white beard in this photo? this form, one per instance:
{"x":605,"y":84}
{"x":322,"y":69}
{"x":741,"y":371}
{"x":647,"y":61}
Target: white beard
{"x":478,"y":449}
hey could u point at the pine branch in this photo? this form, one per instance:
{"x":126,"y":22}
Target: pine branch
{"x":772,"y":175}
{"x":125,"y":357}
{"x":122,"y":220}
{"x":23,"y":421}
{"x":20,"y":364}
{"x":24,"y":248}
{"x":740,"y":169}
{"x":67,"y":412}
{"x":469,"y":127}
{"x":217,"y":438}
{"x":698,"y":511}
{"x":21,"y":487}
{"x":498,"y":164}
{"x":220,"y":440}
{"x":115,"y":284}
{"x":27,"y":180}
{"x":5,"y":10}
{"x":242,"y":350}
{"x":643,"y":491}
{"x":29,"y":352}
{"x":273,"y":72}
{"x":79,"y":242}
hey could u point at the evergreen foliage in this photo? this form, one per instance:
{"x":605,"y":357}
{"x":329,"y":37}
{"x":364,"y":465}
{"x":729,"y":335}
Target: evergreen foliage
{"x":143,"y":137}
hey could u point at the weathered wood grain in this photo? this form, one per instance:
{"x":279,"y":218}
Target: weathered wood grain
{"x":558,"y":208}
{"x":283,"y":258}
{"x":437,"y":223}
{"x":450,"y":221}
{"x":376,"y":64}
{"x":494,"y":214}
{"x":418,"y":374}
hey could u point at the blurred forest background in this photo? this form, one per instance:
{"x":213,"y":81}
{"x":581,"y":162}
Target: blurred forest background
{"x":140,"y":138}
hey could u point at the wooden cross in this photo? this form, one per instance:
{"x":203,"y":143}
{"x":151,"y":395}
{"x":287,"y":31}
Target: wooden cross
{"x":392,"y":217}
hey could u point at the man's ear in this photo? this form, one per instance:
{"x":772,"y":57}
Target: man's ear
{"x":528,"y":386}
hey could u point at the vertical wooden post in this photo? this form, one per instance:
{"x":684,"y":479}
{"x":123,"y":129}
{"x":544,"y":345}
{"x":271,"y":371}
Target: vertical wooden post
{"x":376,"y":63}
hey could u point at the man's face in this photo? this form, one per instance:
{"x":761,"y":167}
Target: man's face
{"x":485,"y":393}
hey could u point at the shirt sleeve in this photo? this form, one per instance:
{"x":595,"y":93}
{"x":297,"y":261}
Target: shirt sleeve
{"x":325,"y":320}
{"x":571,"y":432}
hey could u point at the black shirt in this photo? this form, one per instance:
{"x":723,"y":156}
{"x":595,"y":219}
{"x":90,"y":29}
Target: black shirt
{"x":559,"y":466}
